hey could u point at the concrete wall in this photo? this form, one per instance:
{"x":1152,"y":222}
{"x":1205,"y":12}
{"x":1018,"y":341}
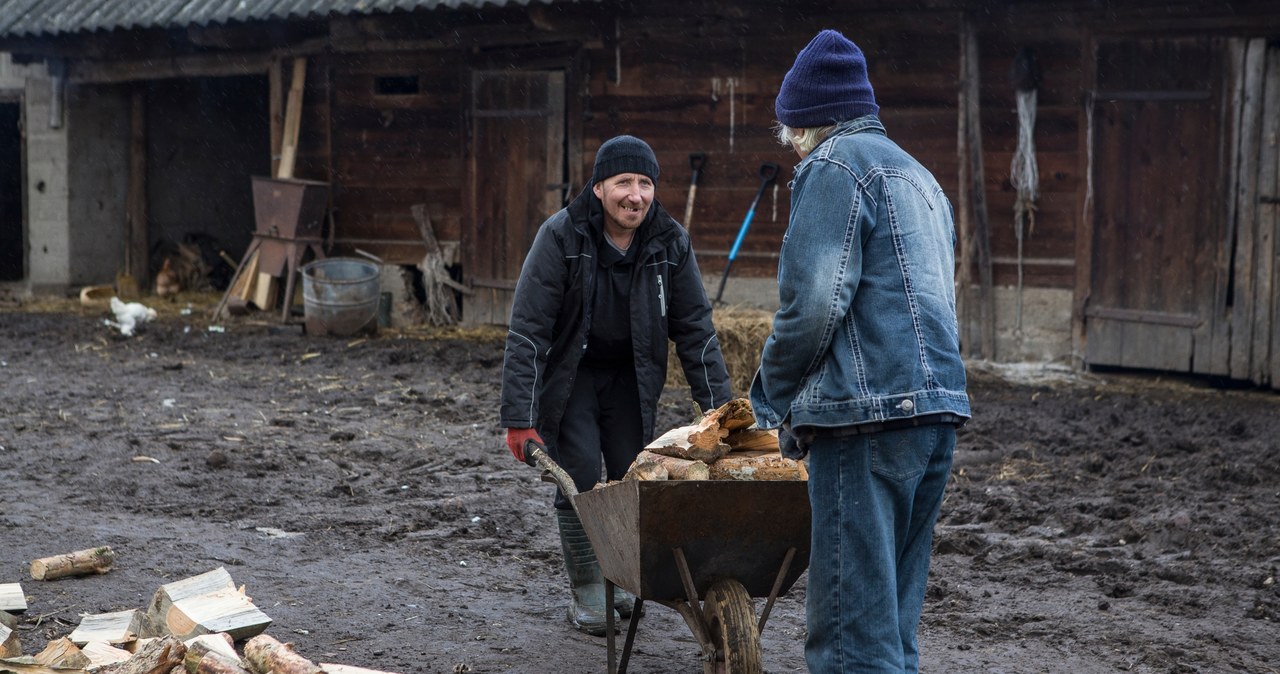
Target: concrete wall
{"x":98,"y":143}
{"x":48,"y":231}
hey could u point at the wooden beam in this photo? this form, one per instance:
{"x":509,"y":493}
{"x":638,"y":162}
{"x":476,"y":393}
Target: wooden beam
{"x":201,"y":65}
{"x":1084,"y":228}
{"x":275,"y":111}
{"x":292,"y":119}
{"x":976,"y":187}
{"x":136,"y":251}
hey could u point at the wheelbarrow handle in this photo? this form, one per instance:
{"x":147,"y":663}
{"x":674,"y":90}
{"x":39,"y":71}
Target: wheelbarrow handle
{"x":535,"y":455}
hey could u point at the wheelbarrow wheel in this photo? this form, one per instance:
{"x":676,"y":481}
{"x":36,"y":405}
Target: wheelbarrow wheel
{"x":731,"y":621}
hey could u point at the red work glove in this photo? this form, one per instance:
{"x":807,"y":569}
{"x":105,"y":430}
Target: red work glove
{"x":516,"y":437}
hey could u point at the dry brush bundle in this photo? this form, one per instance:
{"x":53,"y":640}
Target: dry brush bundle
{"x":742,"y":333}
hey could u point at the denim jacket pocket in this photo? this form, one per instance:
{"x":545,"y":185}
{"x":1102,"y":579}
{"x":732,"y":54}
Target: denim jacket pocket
{"x":903,"y":454}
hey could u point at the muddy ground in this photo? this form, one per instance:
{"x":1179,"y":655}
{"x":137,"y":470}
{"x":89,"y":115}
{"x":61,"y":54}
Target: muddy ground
{"x":361,"y":491}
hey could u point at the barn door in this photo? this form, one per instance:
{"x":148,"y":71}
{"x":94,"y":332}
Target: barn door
{"x":1255,"y":282}
{"x":517,"y":176}
{"x":1158,"y":230}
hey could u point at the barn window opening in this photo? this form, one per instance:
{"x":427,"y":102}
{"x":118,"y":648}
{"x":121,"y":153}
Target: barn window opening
{"x":396,"y":85}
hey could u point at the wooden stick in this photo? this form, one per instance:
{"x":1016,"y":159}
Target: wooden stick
{"x":78,"y":563}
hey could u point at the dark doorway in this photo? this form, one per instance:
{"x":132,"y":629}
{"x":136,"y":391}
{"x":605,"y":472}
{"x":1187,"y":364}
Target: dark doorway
{"x":206,"y":138}
{"x":12,"y":245}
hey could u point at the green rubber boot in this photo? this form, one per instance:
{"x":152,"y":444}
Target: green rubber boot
{"x":586,"y":608}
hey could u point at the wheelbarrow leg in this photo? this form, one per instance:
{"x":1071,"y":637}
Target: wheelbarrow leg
{"x":692,"y":612}
{"x":777,"y":585}
{"x":632,"y":625}
{"x":631,"y":635}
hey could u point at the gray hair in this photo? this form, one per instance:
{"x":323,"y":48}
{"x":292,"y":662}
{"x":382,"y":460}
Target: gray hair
{"x":803,"y":140}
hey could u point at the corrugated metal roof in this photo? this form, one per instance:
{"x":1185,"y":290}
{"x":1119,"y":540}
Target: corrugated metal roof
{"x":52,"y":17}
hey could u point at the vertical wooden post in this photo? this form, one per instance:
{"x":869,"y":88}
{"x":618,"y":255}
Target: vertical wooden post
{"x":976,"y":186}
{"x":135,"y":257}
{"x":1084,"y":228}
{"x":292,"y":118}
{"x":275,"y":112}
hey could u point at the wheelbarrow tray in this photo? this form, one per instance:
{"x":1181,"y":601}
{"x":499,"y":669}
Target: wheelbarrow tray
{"x":725,"y":529}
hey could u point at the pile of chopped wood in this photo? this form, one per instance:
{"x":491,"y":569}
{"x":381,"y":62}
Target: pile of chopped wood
{"x":724,"y":444}
{"x":191,"y":626}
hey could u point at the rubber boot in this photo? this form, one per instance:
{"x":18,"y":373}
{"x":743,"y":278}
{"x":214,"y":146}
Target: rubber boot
{"x":586,"y":608}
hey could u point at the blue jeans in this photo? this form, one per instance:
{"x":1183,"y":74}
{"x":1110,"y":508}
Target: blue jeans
{"x":875,"y":499}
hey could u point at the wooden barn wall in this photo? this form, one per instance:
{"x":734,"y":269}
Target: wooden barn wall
{"x":393,"y":148}
{"x":699,"y":81}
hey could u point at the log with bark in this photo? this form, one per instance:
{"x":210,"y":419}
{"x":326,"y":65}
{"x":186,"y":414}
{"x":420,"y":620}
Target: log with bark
{"x":676,"y":468}
{"x":214,"y":662}
{"x":645,"y":468}
{"x":159,"y":656}
{"x":78,"y":563}
{"x":265,"y":655}
{"x":758,"y":465}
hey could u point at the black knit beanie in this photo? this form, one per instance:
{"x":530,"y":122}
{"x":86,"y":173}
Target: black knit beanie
{"x":624,"y":154}
{"x":826,"y":85}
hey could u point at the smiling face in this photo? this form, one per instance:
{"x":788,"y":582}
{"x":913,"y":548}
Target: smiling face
{"x":626,"y":198}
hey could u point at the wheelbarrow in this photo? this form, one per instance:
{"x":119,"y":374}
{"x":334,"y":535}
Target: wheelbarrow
{"x":704,"y":548}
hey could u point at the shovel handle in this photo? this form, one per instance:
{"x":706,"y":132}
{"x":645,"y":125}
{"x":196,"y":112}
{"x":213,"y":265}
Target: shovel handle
{"x":536,"y":455}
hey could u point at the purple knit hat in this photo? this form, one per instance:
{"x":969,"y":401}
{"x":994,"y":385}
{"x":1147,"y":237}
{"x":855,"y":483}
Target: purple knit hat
{"x":826,"y":85}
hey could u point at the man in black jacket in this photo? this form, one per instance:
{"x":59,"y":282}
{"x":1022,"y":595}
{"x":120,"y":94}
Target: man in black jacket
{"x":608,"y":281}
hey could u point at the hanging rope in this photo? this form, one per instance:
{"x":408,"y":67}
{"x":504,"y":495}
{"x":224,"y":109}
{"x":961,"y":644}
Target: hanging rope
{"x":1023,"y":172}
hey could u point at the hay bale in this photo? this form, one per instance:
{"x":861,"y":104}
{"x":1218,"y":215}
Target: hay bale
{"x":742,"y":333}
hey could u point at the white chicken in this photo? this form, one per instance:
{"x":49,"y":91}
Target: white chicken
{"x":129,"y":315}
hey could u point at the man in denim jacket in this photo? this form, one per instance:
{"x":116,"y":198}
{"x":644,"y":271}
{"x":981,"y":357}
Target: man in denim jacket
{"x":863,"y":370}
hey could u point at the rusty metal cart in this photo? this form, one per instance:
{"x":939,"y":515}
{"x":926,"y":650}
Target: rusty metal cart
{"x":704,"y":548}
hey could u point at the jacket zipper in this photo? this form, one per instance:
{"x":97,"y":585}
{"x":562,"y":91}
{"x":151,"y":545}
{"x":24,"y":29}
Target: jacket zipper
{"x":662,"y":298}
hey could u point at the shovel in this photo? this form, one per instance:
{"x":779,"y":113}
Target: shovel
{"x":696,"y":162}
{"x":768,"y":173}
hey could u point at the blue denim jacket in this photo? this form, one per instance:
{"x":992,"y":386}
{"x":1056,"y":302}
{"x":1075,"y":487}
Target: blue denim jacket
{"x":866,"y":327}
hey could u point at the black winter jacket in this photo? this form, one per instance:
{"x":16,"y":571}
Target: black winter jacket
{"x":551,"y":318}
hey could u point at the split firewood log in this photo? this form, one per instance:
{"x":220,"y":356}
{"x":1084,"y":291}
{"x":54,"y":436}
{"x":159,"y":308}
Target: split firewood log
{"x":694,"y":443}
{"x":677,"y":468}
{"x":203,"y":604}
{"x":78,"y":563}
{"x":63,"y":654}
{"x":160,"y":655}
{"x":101,"y":653}
{"x":747,"y":439}
{"x":266,"y":655}
{"x":758,"y":465}
{"x":10,"y":647}
{"x":734,"y":415}
{"x":12,"y":600}
{"x":198,"y":647}
{"x":116,"y":628}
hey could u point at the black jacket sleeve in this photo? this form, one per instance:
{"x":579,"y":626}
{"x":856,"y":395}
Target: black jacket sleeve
{"x":539,"y":294}
{"x":690,"y":327}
